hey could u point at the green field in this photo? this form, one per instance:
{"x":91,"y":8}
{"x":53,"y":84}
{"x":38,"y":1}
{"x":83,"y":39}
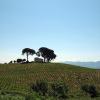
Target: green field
{"x":16,"y":79}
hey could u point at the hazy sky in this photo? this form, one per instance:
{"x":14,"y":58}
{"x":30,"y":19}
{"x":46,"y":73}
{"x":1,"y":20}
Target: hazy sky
{"x":70,"y":27}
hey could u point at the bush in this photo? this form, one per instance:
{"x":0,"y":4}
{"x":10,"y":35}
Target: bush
{"x":60,"y":90}
{"x":93,"y":91}
{"x":85,"y":88}
{"x":41,"y":87}
{"x":90,"y":89}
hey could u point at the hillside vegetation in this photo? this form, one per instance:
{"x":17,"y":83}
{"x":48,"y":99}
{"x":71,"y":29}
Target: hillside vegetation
{"x":18,"y":78}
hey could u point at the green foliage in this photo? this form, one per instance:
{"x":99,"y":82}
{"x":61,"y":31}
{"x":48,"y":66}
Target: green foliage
{"x":11,"y":97}
{"x":28,"y":52}
{"x":31,"y":97}
{"x":16,"y":78}
{"x":60,"y":89}
{"x":46,"y":53}
{"x":41,"y":87}
{"x":85,"y":88}
{"x":90,"y":89}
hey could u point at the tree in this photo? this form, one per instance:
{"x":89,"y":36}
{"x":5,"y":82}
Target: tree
{"x":19,"y":60}
{"x":15,"y":61}
{"x":10,"y":62}
{"x":46,"y":53}
{"x":23,"y":60}
{"x":28,"y":52}
{"x":51,"y":56}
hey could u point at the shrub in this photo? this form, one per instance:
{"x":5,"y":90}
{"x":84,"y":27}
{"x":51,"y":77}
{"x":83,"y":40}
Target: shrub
{"x":90,"y":89}
{"x":41,"y":87}
{"x":85,"y":88}
{"x":60,"y":89}
{"x":93,"y":91}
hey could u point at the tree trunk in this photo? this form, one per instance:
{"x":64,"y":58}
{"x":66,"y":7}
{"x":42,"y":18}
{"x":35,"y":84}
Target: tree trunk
{"x":27,"y":57}
{"x":48,"y":60}
{"x":44,"y":60}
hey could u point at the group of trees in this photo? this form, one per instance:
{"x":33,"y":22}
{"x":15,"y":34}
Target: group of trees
{"x":19,"y":60}
{"x":46,"y":53}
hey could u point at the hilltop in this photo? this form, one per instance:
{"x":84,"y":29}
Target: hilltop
{"x":18,"y":78}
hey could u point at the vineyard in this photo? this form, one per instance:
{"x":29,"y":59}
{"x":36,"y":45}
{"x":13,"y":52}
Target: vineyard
{"x":17,"y":78}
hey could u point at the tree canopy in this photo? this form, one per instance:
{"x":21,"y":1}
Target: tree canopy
{"x":28,"y":52}
{"x":46,"y":53}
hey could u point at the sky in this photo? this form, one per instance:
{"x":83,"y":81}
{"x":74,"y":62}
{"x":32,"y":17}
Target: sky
{"x":70,"y":27}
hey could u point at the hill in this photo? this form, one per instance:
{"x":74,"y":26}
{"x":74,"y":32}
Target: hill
{"x":17,"y":78}
{"x":95,"y":65}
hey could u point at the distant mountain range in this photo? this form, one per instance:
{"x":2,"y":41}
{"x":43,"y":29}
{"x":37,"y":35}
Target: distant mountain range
{"x":95,"y":65}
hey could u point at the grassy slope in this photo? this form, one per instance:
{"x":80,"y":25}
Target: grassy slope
{"x":19,"y":77}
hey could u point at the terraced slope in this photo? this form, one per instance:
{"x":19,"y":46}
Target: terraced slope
{"x":19,"y":77}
